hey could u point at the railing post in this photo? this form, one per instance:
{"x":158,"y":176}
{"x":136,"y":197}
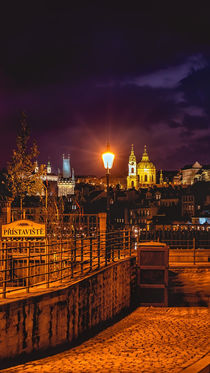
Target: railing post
{"x":75,"y":247}
{"x":124,"y":243}
{"x":72,"y":264}
{"x":4,"y":246}
{"x":28,"y":267}
{"x":98,"y":250}
{"x":61,"y":261}
{"x":129,"y":241}
{"x":119,"y":246}
{"x":194,"y":250}
{"x":112,"y":245}
{"x":91,"y":253}
{"x":82,"y":254}
{"x":88,"y":226}
{"x":47,"y":260}
{"x":106,"y":247}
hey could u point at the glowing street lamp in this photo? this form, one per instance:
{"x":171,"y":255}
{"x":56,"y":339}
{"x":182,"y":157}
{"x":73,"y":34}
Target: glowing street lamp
{"x":108,"y":159}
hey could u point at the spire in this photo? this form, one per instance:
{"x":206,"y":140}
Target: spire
{"x":132,"y":151}
{"x":49,"y":168}
{"x":161,"y":176}
{"x":132,"y":157}
{"x":145,"y":156}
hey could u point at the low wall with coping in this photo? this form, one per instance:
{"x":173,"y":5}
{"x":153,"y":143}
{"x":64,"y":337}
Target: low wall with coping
{"x":42,"y":322}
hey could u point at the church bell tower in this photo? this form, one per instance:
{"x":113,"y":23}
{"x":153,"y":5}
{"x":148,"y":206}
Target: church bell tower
{"x":132,"y":178}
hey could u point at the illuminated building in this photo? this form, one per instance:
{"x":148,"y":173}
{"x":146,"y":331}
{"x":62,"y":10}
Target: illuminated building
{"x":66,"y":181}
{"x":195,"y":172}
{"x":189,"y":172}
{"x":142,"y":174}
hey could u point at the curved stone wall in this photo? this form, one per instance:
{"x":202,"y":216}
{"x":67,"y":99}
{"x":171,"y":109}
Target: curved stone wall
{"x":42,"y":322}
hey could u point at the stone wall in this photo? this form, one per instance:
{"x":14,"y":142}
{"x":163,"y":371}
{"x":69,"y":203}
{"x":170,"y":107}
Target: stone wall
{"x":43,"y":322}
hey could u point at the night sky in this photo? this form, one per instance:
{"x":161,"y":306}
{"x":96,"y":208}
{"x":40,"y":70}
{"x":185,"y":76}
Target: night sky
{"x":85,"y":73}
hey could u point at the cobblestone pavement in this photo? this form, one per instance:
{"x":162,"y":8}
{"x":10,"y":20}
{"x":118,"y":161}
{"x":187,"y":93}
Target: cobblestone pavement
{"x":153,"y":340}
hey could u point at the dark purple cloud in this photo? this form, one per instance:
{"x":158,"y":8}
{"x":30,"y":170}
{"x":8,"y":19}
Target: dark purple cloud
{"x":84,"y":73}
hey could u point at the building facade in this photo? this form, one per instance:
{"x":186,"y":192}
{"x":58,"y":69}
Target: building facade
{"x":142,"y":174}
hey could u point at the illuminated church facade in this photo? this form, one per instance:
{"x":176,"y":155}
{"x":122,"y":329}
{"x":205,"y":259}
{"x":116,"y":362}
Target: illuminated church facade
{"x":142,"y":174}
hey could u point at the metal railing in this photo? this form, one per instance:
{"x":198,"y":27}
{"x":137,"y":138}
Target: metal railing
{"x":177,"y":239}
{"x":25,"y":265}
{"x":189,"y":256}
{"x":181,"y":243}
{"x":60,"y":224}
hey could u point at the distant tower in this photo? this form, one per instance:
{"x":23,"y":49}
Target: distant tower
{"x":49,"y":168}
{"x":132,"y":178}
{"x":66,"y":183}
{"x":161,"y":177}
{"x":66,"y":167}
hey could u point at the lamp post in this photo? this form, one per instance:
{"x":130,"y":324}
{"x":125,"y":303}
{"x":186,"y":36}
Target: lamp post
{"x":108,"y":159}
{"x":46,"y":200}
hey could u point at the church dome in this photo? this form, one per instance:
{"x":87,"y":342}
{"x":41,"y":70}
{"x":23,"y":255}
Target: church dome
{"x":145,"y":163}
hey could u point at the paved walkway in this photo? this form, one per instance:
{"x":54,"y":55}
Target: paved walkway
{"x":150,"y":340}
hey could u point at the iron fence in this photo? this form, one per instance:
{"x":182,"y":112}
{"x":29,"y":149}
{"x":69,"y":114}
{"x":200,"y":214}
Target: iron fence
{"x":60,"y":224}
{"x":176,"y":239}
{"x":46,"y":263}
{"x":181,"y":243}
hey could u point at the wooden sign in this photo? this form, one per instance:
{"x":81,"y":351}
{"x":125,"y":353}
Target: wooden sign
{"x":23,"y":228}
